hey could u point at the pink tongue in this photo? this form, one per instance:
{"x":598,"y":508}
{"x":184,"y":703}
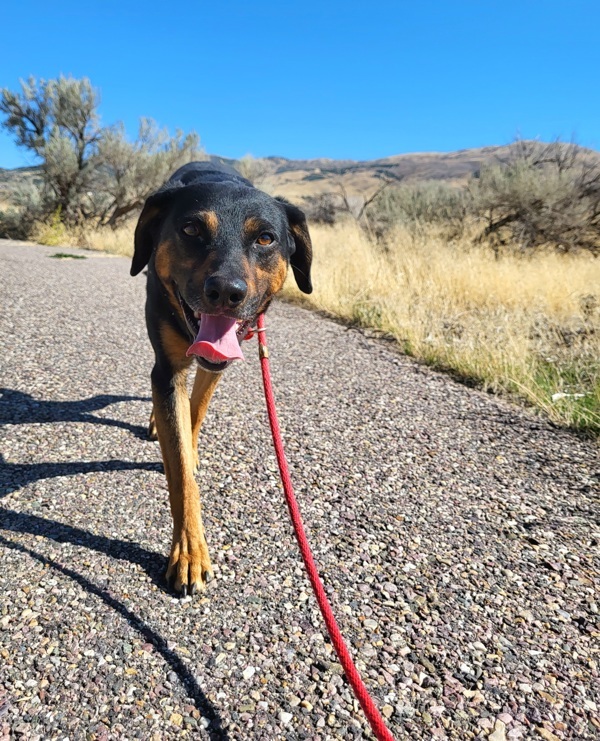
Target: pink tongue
{"x":216,"y":340}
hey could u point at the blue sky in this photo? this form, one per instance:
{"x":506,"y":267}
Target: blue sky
{"x":356,"y":80}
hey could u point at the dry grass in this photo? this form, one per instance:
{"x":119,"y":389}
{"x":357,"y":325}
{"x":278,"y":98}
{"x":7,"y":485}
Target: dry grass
{"x":529,"y":326}
{"x":114,"y":241}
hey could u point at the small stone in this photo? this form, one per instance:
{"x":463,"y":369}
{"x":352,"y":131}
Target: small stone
{"x":548,"y":697}
{"x":306,"y":704}
{"x":499,"y":733}
{"x":294,"y":700}
{"x":176,"y":719}
{"x":387,"y":711}
{"x":248,"y":672}
{"x":545,"y":733}
{"x":285,"y":718}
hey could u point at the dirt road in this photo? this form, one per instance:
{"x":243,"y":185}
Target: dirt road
{"x":457,"y":536}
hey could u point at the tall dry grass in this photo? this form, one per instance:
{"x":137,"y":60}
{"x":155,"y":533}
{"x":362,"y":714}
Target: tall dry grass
{"x":525,"y":325}
{"x":528,"y":326}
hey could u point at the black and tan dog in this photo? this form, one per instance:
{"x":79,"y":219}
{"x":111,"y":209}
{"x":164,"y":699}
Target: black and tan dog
{"x":217,"y":251}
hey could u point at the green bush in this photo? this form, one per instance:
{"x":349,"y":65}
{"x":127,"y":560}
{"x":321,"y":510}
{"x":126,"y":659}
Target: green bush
{"x":89,"y":172}
{"x":543,"y":195}
{"x":418,"y":205}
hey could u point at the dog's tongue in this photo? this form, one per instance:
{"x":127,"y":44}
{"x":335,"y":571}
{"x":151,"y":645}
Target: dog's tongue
{"x":216,"y":340}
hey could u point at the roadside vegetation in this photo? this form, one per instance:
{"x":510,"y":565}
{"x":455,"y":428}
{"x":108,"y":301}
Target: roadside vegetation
{"x":496,"y":280}
{"x":524,"y":326}
{"x":91,"y":175}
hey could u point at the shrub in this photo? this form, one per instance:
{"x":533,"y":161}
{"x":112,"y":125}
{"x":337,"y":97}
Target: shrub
{"x":321,"y":209}
{"x":543,"y":195}
{"x":418,"y":205}
{"x":88,"y":172}
{"x":51,"y":232}
{"x":255,"y":169}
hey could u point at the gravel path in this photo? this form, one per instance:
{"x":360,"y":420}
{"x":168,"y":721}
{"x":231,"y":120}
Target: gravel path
{"x":456,"y":535}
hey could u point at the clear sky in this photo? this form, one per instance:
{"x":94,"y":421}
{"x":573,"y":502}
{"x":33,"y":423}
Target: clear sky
{"x":321,"y":78}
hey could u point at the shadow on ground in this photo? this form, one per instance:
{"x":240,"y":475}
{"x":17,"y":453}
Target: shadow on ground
{"x":203,"y":704}
{"x":17,"y":407}
{"x":15,"y":476}
{"x":154,"y":564}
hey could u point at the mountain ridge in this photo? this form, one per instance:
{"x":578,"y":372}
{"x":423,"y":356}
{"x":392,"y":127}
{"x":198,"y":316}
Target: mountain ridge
{"x":306,"y":179}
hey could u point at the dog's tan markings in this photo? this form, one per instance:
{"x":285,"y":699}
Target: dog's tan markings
{"x":271,"y":281}
{"x":252,"y":226}
{"x":175,"y":346}
{"x":189,"y":561}
{"x":204,"y":386}
{"x":249,"y":275}
{"x":163,"y":263}
{"x":152,"y":435}
{"x":211,"y":220}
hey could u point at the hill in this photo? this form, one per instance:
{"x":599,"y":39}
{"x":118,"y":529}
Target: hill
{"x":300,"y":179}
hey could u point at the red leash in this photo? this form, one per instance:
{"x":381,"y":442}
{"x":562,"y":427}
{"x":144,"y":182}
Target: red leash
{"x":362,"y":695}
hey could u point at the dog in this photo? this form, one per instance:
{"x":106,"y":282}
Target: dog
{"x":217,"y":250}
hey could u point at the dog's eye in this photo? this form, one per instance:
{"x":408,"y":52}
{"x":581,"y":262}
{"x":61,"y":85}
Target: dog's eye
{"x":191,"y":229}
{"x":265,"y":239}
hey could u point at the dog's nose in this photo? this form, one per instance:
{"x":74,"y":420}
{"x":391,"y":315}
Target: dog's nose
{"x":225,"y":292}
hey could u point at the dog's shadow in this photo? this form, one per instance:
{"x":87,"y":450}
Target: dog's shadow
{"x":17,"y":407}
{"x":14,"y":476}
{"x":18,"y":522}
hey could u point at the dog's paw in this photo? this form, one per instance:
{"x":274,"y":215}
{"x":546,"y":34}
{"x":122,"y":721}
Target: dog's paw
{"x":189,"y":568}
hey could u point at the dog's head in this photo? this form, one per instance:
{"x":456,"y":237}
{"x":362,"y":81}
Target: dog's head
{"x":222,"y":250}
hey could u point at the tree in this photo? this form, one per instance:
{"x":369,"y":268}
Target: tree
{"x":541,"y":195}
{"x":255,"y":169}
{"x":89,"y":172}
{"x":57,"y":121}
{"x":125,"y":173}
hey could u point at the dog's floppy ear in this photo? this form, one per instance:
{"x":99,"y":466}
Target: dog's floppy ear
{"x":301,"y":258}
{"x":147,"y":229}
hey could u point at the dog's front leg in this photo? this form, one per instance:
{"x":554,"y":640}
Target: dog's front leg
{"x":189,"y":563}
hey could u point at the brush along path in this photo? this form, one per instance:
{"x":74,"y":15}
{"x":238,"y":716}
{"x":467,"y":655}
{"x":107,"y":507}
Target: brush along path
{"x":454,"y":532}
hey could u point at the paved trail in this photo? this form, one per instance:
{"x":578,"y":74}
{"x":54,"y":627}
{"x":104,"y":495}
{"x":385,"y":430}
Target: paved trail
{"x":455,"y":534}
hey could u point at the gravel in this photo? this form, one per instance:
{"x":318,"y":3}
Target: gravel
{"x":455,"y":533}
